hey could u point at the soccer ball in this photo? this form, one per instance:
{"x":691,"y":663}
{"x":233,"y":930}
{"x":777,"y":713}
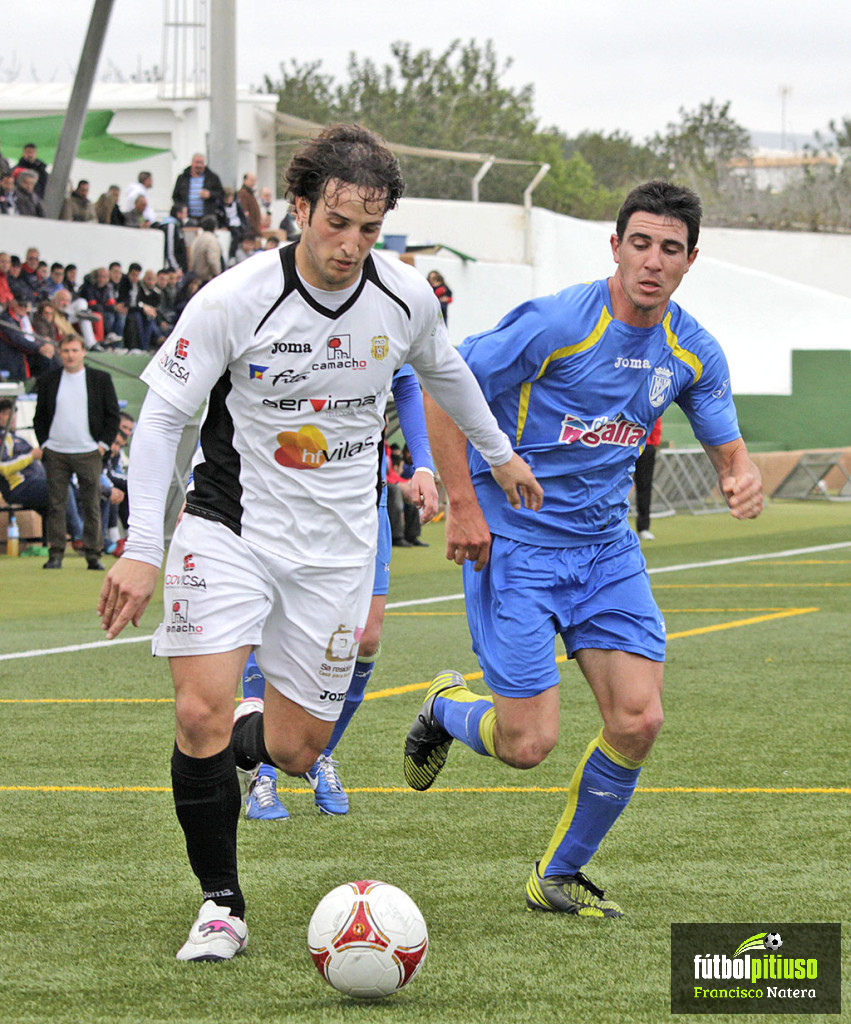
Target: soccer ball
{"x":367,"y":939}
{"x":772,"y":941}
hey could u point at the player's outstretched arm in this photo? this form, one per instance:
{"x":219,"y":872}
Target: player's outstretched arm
{"x":125,"y":594}
{"x":738,"y":478}
{"x":467,"y":535}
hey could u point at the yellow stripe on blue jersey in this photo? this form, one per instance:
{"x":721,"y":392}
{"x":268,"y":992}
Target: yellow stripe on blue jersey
{"x":560,"y":353}
{"x":689,"y":358}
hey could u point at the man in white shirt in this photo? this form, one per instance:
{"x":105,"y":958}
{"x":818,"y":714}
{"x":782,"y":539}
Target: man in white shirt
{"x":76,"y":420}
{"x":294,"y":352}
{"x":133,"y":192}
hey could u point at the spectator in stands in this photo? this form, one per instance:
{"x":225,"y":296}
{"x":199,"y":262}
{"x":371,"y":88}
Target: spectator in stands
{"x":5,"y":166}
{"x":205,"y":256}
{"x":443,"y":292}
{"x":248,"y":201}
{"x":233,"y":218}
{"x":115,"y":506}
{"x":8,"y":194}
{"x":137,"y":215}
{"x":199,"y":189}
{"x":288,"y":225}
{"x":176,"y":254}
{"x":168,"y":286}
{"x":22,"y":477}
{"x":22,"y":354}
{"x":30,"y":276}
{"x":55,"y":280}
{"x":272,"y":242}
{"x":69,"y":281}
{"x":77,"y":205}
{"x":5,"y":289}
{"x":131,"y":208}
{"x":186,"y":289}
{"x":107,"y":209}
{"x":44,"y":320}
{"x":265,"y":201}
{"x":115,"y":278}
{"x":27,"y":201}
{"x":137,"y":330}
{"x":150,"y":296}
{"x":247,"y":247}
{"x":100,"y":298}
{"x":75,"y":315}
{"x":76,"y":420}
{"x":30,"y":162}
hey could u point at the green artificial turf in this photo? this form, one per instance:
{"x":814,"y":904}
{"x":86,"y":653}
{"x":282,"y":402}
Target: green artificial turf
{"x":743,"y":810}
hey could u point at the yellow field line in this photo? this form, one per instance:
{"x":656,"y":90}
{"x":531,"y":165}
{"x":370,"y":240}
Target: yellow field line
{"x":393,"y":691}
{"x":411,"y":687}
{"x":390,"y":790}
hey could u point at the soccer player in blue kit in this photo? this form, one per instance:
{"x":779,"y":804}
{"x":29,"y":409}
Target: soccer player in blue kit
{"x":577,"y":380}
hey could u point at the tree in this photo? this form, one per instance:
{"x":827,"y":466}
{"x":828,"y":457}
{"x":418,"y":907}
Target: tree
{"x":699,"y":149}
{"x":455,"y":100}
{"x":618,"y":162}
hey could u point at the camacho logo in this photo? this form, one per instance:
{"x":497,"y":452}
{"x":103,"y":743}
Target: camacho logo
{"x":307,"y":448}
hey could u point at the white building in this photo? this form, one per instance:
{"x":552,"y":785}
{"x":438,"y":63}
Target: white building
{"x":178,"y":128}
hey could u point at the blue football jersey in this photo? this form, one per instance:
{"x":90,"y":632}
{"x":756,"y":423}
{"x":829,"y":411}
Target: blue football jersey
{"x":578,"y":393}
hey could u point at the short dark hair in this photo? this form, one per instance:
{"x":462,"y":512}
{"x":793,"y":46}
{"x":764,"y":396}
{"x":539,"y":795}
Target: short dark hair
{"x":664,"y":199}
{"x":115,"y":263}
{"x":134,"y":266}
{"x":208,"y":223}
{"x":348,"y":153}
{"x":56,"y":266}
{"x":6,"y":404}
{"x":143,"y":175}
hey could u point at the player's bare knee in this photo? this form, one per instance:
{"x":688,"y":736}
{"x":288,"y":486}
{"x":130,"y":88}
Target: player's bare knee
{"x":292,"y":761}
{"x":526,"y":751}
{"x":200,"y":722}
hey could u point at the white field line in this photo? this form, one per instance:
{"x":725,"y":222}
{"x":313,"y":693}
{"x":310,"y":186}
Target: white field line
{"x":791,"y":552}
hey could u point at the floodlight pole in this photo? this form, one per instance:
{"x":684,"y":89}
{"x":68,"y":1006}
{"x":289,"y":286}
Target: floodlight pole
{"x":72,"y":127}
{"x":223,"y":154}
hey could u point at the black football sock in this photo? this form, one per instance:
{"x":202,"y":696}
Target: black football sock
{"x":249,"y":747}
{"x":208,"y":802}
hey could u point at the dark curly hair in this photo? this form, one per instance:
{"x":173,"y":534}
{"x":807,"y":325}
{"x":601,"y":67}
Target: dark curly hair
{"x":352,"y":155}
{"x":663,"y":199}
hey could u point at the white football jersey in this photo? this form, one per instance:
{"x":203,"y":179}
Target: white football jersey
{"x":292,"y":434}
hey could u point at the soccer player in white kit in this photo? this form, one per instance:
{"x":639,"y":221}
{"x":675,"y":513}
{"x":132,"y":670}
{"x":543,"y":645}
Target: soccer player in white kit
{"x":293,"y":352}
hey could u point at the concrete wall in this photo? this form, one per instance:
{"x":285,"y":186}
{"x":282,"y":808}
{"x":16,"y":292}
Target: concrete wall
{"x":760,"y":318}
{"x":87,"y":245}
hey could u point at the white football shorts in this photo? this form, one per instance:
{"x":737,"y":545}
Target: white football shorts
{"x":305,"y":622}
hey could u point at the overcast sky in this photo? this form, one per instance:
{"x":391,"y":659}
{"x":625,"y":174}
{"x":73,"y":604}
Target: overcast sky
{"x":607,"y":65}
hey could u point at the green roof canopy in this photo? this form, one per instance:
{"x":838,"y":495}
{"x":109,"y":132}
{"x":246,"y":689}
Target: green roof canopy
{"x":95,"y":144}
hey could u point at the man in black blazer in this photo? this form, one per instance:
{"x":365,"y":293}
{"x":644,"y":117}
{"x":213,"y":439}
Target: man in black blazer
{"x":76,"y":420}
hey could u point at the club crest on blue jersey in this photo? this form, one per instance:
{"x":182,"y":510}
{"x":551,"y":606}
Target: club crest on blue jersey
{"x":660,"y":385}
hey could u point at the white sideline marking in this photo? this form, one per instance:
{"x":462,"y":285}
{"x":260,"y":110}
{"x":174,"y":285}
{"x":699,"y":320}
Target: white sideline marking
{"x":451,"y":597}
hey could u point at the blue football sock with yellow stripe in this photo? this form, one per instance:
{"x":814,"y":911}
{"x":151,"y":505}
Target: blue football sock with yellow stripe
{"x":468,"y":717}
{"x":600,"y":789}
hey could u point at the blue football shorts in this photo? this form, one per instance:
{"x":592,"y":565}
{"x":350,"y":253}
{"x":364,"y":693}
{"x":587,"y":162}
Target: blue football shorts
{"x":595,"y":596}
{"x":381,"y":585}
